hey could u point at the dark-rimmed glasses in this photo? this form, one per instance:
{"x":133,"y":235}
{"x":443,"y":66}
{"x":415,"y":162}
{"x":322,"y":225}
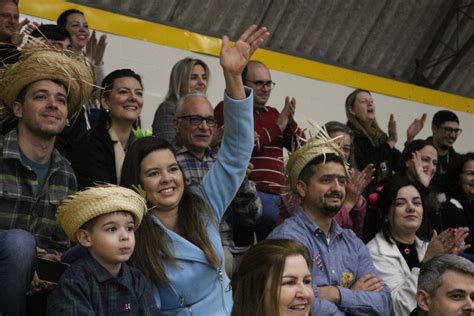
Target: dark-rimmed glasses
{"x":197,"y":120}
{"x":259,"y":84}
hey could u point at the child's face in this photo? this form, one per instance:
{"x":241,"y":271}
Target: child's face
{"x":112,"y":238}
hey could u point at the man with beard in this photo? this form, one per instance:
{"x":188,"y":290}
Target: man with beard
{"x":344,"y":276}
{"x":445,"y":287}
{"x":445,"y":128}
{"x":37,"y":92}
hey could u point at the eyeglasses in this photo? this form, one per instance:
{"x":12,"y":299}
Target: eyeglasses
{"x":449,"y":130}
{"x":197,"y":120}
{"x":259,"y":84}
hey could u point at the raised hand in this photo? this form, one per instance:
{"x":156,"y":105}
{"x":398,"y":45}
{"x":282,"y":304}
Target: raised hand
{"x":415,"y":127}
{"x":460,"y":234}
{"x":439,"y":244}
{"x":24,"y":27}
{"x":234,"y":59}
{"x":286,"y":115}
{"x":95,"y":49}
{"x":415,"y":164}
{"x":392,"y":131}
{"x":357,"y":184}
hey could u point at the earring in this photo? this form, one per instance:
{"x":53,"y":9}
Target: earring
{"x":107,"y":111}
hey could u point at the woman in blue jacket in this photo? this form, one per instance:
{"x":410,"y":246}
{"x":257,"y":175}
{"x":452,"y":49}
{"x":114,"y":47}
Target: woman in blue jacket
{"x":178,"y":245}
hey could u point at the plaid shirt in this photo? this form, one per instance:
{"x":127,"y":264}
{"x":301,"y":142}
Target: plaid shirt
{"x":87,"y":288}
{"x":246,"y":203}
{"x":22,"y":206}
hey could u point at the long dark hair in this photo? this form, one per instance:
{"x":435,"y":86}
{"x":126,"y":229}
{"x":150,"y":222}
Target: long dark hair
{"x":386,"y":199}
{"x":153,"y":244}
{"x":262,"y":265}
{"x":451,"y":178}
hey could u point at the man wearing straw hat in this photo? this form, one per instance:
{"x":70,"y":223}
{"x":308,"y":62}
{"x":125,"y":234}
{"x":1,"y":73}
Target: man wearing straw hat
{"x":38,"y":92}
{"x":344,"y":276}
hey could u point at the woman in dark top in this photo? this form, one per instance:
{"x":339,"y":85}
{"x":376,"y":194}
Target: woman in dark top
{"x":99,"y":155}
{"x":458,"y":209}
{"x":371,"y":144}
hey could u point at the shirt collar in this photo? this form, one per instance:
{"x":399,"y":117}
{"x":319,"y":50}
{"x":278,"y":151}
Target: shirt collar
{"x":102,"y":275}
{"x":11,"y":150}
{"x":209,"y":153}
{"x":314,"y":228}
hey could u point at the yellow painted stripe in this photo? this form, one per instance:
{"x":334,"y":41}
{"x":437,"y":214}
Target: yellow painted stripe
{"x":178,"y":38}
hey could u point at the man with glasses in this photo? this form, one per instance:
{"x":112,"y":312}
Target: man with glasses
{"x":445,"y":128}
{"x":273,"y":132}
{"x":195,"y":127}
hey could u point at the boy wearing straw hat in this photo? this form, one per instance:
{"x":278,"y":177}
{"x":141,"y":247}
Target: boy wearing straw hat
{"x":102,"y":219}
{"x":37,"y":93}
{"x":344,"y":276}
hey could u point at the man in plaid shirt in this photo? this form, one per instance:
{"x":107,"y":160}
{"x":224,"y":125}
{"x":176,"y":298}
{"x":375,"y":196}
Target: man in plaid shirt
{"x":34,"y":177}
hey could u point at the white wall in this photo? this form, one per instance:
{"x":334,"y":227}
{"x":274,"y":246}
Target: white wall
{"x":321,"y":101}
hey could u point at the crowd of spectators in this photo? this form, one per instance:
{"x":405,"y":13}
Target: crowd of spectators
{"x":205,"y":216}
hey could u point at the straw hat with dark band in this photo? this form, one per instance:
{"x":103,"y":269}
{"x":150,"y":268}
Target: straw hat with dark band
{"x":43,"y":63}
{"x":316,"y":146}
{"x":77,"y":209}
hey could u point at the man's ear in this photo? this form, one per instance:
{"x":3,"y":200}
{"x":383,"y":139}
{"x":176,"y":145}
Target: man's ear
{"x":423,"y":300}
{"x":175,"y":124}
{"x":18,"y":109}
{"x":83,"y":238}
{"x":434,"y":129}
{"x":301,"y":188}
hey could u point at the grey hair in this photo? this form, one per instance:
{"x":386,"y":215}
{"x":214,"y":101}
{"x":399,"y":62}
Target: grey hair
{"x":334,"y":126}
{"x":431,"y":272}
{"x":185,"y":98}
{"x":180,"y":75}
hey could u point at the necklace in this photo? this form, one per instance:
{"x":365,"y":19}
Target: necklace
{"x":406,"y":250}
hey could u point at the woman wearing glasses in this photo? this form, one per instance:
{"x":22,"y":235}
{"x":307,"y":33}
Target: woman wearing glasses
{"x":178,"y":244}
{"x":187,"y":76}
{"x":99,"y":155}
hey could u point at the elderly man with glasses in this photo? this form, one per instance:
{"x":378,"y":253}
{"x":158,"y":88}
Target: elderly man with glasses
{"x":273,"y":132}
{"x":195,"y":127}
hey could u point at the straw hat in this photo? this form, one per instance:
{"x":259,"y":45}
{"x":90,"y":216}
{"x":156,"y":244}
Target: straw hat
{"x":321,"y":144}
{"x":43,"y":62}
{"x":82,"y":206}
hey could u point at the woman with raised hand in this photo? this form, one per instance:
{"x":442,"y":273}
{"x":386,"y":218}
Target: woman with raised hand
{"x":398,"y":250}
{"x":371,"y":143}
{"x":82,"y":42}
{"x":178,"y":245}
{"x":99,"y":155}
{"x":188,"y":75}
{"x":273,"y":279}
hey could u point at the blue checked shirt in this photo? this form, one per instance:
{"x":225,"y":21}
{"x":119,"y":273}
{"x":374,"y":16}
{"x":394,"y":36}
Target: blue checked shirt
{"x":22,"y":206}
{"x":340,"y":263}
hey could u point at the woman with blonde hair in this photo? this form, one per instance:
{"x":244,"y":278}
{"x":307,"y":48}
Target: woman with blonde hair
{"x":273,"y":279}
{"x":188,"y":75}
{"x":371,"y":143}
